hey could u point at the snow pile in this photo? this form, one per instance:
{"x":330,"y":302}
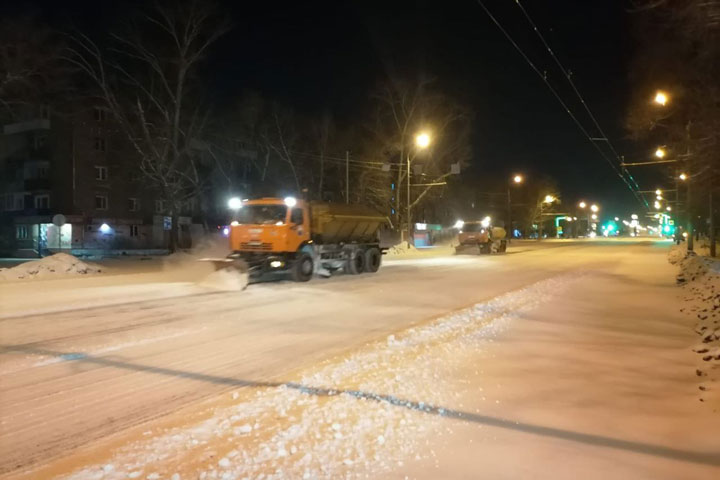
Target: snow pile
{"x":226,"y":279}
{"x":357,"y":416}
{"x":58,"y":264}
{"x":402,"y":248}
{"x":700,"y":277}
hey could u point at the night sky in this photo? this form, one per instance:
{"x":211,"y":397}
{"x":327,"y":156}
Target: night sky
{"x":328,"y":55}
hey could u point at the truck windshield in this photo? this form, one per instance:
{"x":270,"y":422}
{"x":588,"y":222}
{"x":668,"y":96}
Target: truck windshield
{"x":473,"y":227}
{"x":262,"y":214}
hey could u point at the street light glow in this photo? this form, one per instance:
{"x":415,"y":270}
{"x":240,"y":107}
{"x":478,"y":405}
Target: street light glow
{"x":594,"y":207}
{"x":422,"y":140}
{"x":518,"y":179}
{"x":235,"y":203}
{"x":582,"y":204}
{"x":658,"y":192}
{"x":661,"y":98}
{"x":485,"y":222}
{"x":683,"y":177}
{"x":549,"y":199}
{"x":660,"y":152}
{"x":290,"y":201}
{"x":668,"y":208}
{"x":593,"y":216}
{"x":657,"y":204}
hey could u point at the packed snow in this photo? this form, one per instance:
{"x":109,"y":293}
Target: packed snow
{"x":356,"y":415}
{"x":700,"y":277}
{"x":59,"y":264}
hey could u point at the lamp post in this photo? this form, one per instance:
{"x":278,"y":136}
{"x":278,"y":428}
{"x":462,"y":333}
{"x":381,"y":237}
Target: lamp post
{"x":549,"y":199}
{"x":515,"y":180}
{"x":422,"y":141}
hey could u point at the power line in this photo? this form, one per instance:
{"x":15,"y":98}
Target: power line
{"x":568,"y":76}
{"x":558,"y":98}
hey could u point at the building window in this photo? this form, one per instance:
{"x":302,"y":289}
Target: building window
{"x":132,"y":204}
{"x":99,"y":114}
{"x":42,"y":201}
{"x":133,"y":230}
{"x":159,"y":206}
{"x":99,"y":144}
{"x":21,"y":232}
{"x":101,"y":173}
{"x":101,"y":202}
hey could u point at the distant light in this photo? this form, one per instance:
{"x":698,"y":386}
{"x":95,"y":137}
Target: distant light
{"x":685,"y":234}
{"x":657,"y":204}
{"x":661,"y":98}
{"x":683,"y":177}
{"x":485,"y":222}
{"x":225,"y":231}
{"x":660,"y":152}
{"x":593,"y":235}
{"x":593,"y":216}
{"x":235,"y":203}
{"x":290,"y":201}
{"x":422,"y":140}
{"x":658,"y":192}
{"x":105,"y":228}
{"x":276,"y":264}
{"x":234,"y":223}
{"x":658,"y":197}
{"x":582,"y":204}
{"x":666,"y":228}
{"x":574,"y":218}
{"x":518,"y":179}
{"x":421,"y":226}
{"x":668,"y":208}
{"x":549,"y":199}
{"x":632,"y":234}
{"x":617,"y":219}
{"x":594,"y":208}
{"x":634,"y":216}
{"x":459,"y":224}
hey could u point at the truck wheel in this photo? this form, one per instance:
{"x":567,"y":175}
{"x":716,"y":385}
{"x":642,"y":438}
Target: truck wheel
{"x":373,"y":259}
{"x":302,"y":268}
{"x":356,"y":262}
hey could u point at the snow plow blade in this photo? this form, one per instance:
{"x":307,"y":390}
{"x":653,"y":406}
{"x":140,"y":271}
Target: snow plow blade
{"x":236,"y":264}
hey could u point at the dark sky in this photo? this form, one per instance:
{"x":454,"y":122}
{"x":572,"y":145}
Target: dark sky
{"x":319,"y":55}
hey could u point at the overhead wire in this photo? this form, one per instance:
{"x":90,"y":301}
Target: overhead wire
{"x":568,"y":76}
{"x":558,"y":98}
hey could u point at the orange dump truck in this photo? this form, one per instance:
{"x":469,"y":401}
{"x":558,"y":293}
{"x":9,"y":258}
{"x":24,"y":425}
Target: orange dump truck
{"x":302,"y":238}
{"x":479,"y":238}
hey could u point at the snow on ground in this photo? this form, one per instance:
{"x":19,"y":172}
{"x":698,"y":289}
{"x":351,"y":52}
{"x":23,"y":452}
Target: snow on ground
{"x":359,"y":415}
{"x":700,"y":277}
{"x":59,"y":264}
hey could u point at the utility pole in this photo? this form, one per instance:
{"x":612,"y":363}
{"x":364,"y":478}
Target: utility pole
{"x":711,"y":225}
{"x":409,"y":219}
{"x":347,"y":176}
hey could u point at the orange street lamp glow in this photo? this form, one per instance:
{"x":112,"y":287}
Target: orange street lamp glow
{"x":661,"y":98}
{"x":518,"y":179}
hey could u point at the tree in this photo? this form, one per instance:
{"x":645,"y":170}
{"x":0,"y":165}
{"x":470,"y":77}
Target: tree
{"x":679,"y":52}
{"x":146,"y":76}
{"x":402,"y":110}
{"x":32,"y":67}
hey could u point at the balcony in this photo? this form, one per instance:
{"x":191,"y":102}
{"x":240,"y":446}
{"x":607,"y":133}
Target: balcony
{"x":27,"y":126}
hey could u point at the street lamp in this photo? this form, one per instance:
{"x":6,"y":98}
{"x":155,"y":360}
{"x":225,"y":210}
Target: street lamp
{"x":549,"y":199}
{"x":683,"y":177}
{"x":594,"y":208}
{"x":660,"y":152}
{"x":517,"y":180}
{"x":422,"y":141}
{"x":582,"y":204}
{"x":661,"y":98}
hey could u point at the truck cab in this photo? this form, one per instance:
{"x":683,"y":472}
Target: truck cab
{"x":270,"y":225}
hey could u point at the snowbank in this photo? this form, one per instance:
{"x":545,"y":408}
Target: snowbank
{"x":54,"y":265}
{"x":402,"y":248}
{"x":700,"y":277}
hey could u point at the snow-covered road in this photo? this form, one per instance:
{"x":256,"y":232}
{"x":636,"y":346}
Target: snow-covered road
{"x":434,"y":367}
